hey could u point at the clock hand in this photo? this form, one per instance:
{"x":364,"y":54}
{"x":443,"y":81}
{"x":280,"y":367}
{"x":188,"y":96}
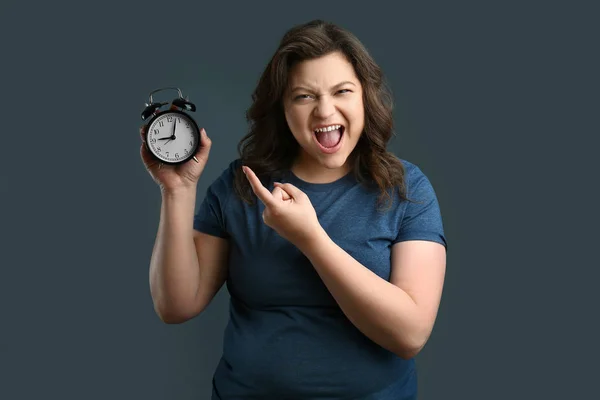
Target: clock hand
{"x":174,"y":125}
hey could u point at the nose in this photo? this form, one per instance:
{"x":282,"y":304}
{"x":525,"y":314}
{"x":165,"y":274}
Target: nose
{"x":325,"y":107}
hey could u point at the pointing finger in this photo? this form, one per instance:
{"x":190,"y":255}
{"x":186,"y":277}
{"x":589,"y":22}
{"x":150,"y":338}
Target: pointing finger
{"x":257,"y":187}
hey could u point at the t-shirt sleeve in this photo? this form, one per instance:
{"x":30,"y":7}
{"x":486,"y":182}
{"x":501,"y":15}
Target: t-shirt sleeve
{"x":211,"y":215}
{"x":422,"y":219}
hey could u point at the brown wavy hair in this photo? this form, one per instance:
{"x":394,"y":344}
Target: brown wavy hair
{"x":269,"y":148}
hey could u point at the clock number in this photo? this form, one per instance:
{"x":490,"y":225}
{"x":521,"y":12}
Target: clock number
{"x":177,"y":155}
{"x":156,"y":131}
{"x":153,"y":140}
{"x":158,"y":149}
{"x":161,"y":123}
{"x":167,"y":153}
{"x":191,"y":144}
{"x":169,"y":119}
{"x":186,"y":151}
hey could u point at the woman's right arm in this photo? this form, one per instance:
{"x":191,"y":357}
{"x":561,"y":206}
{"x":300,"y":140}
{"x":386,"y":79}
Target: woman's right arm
{"x":187,"y":267}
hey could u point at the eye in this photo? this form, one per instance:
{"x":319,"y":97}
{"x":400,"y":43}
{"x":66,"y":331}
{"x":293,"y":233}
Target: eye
{"x":302,"y":97}
{"x":342,"y":91}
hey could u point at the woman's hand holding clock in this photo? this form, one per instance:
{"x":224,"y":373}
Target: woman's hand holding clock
{"x":178,"y":166}
{"x":172,"y":178}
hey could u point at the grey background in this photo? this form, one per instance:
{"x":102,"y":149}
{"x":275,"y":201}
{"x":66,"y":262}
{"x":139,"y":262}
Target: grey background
{"x":496,"y":102}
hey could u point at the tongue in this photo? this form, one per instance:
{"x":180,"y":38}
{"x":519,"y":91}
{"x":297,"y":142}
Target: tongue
{"x":329,"y":139}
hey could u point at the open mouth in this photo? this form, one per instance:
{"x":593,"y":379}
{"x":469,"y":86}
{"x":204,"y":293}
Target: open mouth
{"x":330,"y":136}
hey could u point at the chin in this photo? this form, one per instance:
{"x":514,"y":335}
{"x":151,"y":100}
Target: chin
{"x":335,"y":162}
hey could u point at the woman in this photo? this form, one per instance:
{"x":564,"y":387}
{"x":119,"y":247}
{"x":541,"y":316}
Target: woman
{"x":332,"y":248}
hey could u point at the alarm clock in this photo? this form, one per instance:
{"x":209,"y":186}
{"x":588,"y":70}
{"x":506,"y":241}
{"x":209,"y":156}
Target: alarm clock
{"x":171,"y":135}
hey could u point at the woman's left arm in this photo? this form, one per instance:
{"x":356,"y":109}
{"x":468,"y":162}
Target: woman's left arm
{"x":398,"y":315}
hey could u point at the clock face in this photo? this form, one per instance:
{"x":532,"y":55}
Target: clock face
{"x":173,"y":137}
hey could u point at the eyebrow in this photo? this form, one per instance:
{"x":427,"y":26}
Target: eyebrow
{"x":312,"y":90}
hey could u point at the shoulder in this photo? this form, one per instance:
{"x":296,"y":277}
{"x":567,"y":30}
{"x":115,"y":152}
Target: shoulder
{"x":231,"y":168}
{"x":226,"y":175}
{"x":222,"y":185}
{"x":412,"y":171}
{"x":415,"y":179}
{"x":421,"y":215}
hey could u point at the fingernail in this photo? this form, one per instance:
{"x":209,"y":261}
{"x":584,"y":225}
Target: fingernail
{"x":244,"y":169}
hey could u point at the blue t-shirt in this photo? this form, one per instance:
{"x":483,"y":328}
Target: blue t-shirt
{"x":286,"y":337}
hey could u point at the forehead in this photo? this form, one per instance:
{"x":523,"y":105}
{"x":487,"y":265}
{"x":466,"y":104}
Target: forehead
{"x":323,"y":71}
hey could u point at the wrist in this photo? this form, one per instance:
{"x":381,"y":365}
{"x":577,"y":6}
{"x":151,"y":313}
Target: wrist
{"x":311,"y":242}
{"x":179,"y":192}
{"x":179,"y":199}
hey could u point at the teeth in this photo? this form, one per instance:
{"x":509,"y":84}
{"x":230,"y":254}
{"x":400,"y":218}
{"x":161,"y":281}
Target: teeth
{"x":328,"y":128}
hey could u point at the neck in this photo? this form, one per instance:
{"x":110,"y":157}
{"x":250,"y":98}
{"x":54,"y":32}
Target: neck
{"x":313,"y":172}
